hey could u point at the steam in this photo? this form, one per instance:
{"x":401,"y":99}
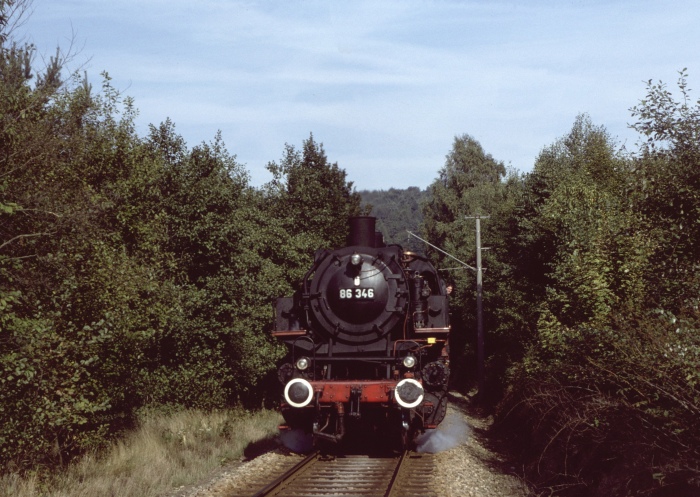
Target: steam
{"x":297,"y":440}
{"x":453,"y":431}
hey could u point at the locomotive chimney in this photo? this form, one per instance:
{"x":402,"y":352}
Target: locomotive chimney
{"x":362,"y":231}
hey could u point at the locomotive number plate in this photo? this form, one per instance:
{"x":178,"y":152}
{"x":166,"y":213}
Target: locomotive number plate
{"x":357,"y":293}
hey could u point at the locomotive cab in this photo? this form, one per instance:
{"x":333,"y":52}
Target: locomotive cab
{"x":367,"y":338}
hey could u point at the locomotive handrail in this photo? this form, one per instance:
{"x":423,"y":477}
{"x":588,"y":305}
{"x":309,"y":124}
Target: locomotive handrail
{"x":288,"y":333}
{"x":432,"y":330}
{"x":399,"y":343}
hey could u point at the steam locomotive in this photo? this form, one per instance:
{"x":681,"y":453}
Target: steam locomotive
{"x":367,"y":334}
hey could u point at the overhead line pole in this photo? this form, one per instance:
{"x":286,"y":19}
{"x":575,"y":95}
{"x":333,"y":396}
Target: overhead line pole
{"x":480,"y":341}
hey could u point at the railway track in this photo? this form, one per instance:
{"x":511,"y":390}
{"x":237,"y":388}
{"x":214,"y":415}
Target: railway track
{"x":407,"y":475}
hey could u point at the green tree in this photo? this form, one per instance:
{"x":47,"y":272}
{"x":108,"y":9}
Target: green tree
{"x":470,"y":183}
{"x":396,"y":211}
{"x":467,"y":184}
{"x":666,"y":190}
{"x":606,"y":375}
{"x":313,"y":194}
{"x":570,"y":225}
{"x":213,"y":238}
{"x":69,"y":294}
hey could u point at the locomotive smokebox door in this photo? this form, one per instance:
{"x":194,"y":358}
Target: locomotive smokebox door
{"x":359,"y":294}
{"x":356,"y":294}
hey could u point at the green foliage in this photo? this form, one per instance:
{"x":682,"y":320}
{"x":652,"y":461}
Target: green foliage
{"x":625,"y":394}
{"x":666,"y":190}
{"x":604,"y":377}
{"x":469,"y":184}
{"x":70,"y":294}
{"x":312,"y":194}
{"x":396,"y":211}
{"x":579,"y":227}
{"x":590,"y":299}
{"x":209,"y":236}
{"x":472,"y":183}
{"x":136,"y":272}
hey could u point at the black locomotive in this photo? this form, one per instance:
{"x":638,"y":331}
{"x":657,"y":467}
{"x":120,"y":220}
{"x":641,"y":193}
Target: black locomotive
{"x":367,"y":336}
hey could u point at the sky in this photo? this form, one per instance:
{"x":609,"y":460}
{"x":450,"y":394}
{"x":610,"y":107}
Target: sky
{"x":385,"y":86}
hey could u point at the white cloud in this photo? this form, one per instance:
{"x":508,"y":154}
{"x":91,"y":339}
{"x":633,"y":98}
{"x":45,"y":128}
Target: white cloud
{"x":385,"y":85}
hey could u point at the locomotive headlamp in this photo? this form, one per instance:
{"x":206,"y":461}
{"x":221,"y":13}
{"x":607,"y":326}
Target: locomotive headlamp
{"x":356,"y":259}
{"x":409,"y":361}
{"x":303,"y":363}
{"x":298,"y":392}
{"x":409,"y":393}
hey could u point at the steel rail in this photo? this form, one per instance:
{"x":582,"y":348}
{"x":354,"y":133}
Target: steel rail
{"x":407,"y":474}
{"x":297,"y":468}
{"x":395,"y":477}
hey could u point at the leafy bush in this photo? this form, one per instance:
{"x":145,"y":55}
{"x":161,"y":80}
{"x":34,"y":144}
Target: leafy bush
{"x":609,"y":381}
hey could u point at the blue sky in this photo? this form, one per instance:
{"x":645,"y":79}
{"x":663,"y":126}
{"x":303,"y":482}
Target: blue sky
{"x":384,"y":85}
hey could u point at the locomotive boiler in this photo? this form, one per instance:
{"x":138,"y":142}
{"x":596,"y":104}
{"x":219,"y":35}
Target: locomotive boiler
{"x":367,"y":334}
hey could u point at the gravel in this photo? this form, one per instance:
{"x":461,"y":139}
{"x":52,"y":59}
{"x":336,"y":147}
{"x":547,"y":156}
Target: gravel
{"x":466,"y":469}
{"x":471,"y":469}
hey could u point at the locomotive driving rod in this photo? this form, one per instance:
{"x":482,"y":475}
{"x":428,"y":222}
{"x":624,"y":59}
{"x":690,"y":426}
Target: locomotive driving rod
{"x":341,"y":426}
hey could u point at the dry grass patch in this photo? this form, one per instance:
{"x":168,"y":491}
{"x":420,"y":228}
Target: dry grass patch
{"x":166,"y":452}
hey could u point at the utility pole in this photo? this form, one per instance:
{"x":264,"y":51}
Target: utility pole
{"x":480,"y":347}
{"x":480,"y":353}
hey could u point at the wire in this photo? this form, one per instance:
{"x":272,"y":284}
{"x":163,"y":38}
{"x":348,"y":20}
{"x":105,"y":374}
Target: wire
{"x":437,"y":248}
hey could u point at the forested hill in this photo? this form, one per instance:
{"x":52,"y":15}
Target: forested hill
{"x":396,"y":211}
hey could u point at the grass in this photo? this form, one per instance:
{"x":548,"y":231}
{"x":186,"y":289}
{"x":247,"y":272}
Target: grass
{"x":164,"y":453}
